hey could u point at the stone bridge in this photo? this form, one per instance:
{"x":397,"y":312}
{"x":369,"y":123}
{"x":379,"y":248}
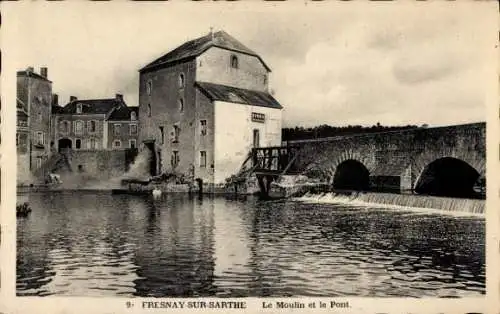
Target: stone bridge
{"x":446,"y":160}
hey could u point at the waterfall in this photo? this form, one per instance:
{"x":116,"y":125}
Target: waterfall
{"x":448,"y":205}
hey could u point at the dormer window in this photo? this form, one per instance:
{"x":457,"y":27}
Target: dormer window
{"x":181,"y":80}
{"x":234,"y":61}
{"x":133,"y":116}
{"x":149,"y":87}
{"x":78,"y":108}
{"x":234,"y":98}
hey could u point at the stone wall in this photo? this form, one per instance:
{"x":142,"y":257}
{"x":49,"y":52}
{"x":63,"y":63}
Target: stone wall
{"x":96,"y":166}
{"x":393,"y":156}
{"x":214,"y":66}
{"x":164,"y":101}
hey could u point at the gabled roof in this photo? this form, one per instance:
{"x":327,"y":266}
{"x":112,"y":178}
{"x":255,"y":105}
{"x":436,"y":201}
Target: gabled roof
{"x":196,"y":47}
{"x":238,"y":95}
{"x":123,"y":113}
{"x":93,"y":106}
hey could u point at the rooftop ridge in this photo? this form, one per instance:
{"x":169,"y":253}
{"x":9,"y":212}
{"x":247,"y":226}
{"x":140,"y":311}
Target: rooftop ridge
{"x":195,"y":47}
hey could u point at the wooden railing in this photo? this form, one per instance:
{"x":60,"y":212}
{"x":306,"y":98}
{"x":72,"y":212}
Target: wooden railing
{"x":275,"y":159}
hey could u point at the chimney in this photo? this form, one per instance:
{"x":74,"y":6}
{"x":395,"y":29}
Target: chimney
{"x":43,"y":72}
{"x":30,"y":69}
{"x":119,"y":97}
{"x":72,"y":98}
{"x":212,"y":33}
{"x":55,"y":100}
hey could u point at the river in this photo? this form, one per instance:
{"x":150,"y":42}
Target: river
{"x":84,"y":243}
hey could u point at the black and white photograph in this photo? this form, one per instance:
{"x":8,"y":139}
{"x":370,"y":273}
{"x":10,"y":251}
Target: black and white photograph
{"x":234,"y":151}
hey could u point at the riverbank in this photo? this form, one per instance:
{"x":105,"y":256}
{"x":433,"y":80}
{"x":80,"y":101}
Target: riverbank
{"x":475,"y":207}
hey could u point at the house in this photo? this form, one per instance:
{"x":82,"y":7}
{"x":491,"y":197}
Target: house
{"x":204,"y":105}
{"x":96,"y":124}
{"x":33,"y":104}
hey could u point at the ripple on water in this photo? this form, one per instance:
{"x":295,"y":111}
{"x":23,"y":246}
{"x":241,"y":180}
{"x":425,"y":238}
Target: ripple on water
{"x":214,"y":247}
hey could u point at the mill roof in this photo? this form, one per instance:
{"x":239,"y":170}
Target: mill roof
{"x":238,"y":95}
{"x":196,"y":47}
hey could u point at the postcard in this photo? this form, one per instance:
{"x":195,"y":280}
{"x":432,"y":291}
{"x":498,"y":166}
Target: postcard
{"x":250,"y":156}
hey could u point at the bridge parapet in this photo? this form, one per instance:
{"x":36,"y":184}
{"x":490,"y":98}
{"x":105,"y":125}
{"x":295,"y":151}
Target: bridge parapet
{"x":397,"y":158}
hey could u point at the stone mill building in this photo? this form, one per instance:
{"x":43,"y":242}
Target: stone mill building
{"x":204,"y":105}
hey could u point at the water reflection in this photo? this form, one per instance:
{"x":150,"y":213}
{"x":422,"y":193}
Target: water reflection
{"x":99,"y":244}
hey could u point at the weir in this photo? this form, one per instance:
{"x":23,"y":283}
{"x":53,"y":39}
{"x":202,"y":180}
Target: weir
{"x":401,"y":201}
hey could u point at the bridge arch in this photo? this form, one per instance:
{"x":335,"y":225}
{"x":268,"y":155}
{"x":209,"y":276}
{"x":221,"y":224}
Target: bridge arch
{"x":448,"y":176}
{"x":351,"y":174}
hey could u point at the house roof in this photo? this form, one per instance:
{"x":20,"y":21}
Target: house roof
{"x":196,"y":47}
{"x":122,"y":113}
{"x":57,"y":109}
{"x":93,"y":106}
{"x":32,"y":74}
{"x":238,"y":95}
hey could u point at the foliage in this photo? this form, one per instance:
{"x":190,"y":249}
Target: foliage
{"x":301,"y":133}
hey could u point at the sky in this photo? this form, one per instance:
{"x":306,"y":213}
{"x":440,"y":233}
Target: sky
{"x":334,"y":63}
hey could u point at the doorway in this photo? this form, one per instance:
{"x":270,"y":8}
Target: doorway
{"x":64,"y":144}
{"x":152,"y":161}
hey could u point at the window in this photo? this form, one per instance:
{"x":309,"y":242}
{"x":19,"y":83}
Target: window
{"x":256,"y":138}
{"x":40,"y":116}
{"x":17,"y":139}
{"x":162,"y":135}
{"x":181,"y":105}
{"x":181,"y":80}
{"x":133,"y":129}
{"x":149,"y":87}
{"x":64,"y":126}
{"x":149,"y":110}
{"x":132,"y":144}
{"x":91,"y":126}
{"x":133,"y":116}
{"x":234,"y":61}
{"x":203,"y":159}
{"x":91,"y":144}
{"x":203,"y":127}
{"x":39,"y":162}
{"x":117,"y":144}
{"x":176,"y":133}
{"x":39,"y":138}
{"x":78,"y":127}
{"x":78,"y":108}
{"x":265,"y":79}
{"x":175,"y":158}
{"x":117,"y":128}
{"x":78,"y":143}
